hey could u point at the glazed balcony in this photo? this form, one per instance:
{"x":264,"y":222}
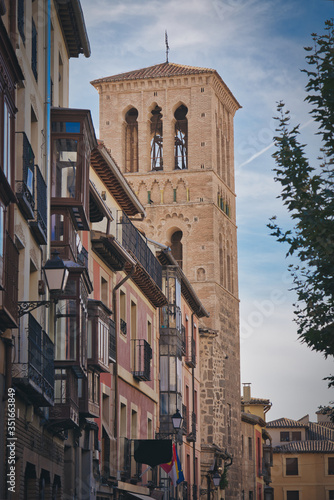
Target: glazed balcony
{"x":34,"y":370}
{"x":99,"y":333}
{"x":141,"y":357}
{"x":9,"y":285}
{"x":72,"y":139}
{"x":65,"y":412}
{"x":89,"y":404}
{"x":132,"y":240}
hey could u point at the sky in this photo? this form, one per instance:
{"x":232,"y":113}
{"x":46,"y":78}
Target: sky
{"x":257,"y":48}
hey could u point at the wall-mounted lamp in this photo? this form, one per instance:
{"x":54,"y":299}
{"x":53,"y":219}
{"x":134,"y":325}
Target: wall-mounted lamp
{"x":56,"y":275}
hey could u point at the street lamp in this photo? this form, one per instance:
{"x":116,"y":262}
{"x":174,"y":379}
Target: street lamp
{"x":177,"y":420}
{"x":216,"y":479}
{"x":56,"y":274}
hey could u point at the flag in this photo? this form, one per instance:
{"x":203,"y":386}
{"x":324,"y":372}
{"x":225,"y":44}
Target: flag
{"x":152,"y":451}
{"x":174,"y":468}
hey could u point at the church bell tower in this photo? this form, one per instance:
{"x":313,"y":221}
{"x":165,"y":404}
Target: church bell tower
{"x":170,"y":130}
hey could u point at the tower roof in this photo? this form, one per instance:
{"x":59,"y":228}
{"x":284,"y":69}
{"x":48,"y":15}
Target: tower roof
{"x":165,"y":69}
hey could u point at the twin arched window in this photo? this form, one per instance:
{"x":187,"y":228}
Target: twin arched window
{"x":156,"y":139}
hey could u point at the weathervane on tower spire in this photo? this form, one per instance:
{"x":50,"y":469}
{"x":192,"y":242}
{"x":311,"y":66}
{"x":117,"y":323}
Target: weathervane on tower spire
{"x":167,"y":46}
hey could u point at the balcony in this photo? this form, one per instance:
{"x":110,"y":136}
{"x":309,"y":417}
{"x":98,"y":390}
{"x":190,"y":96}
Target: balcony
{"x":72,"y":139}
{"x":112,"y":341}
{"x":123,"y":325}
{"x":191,"y":352}
{"x":98,"y":335}
{"x":9,"y":290}
{"x":142,"y":355}
{"x":89,"y":405}
{"x":38,"y":226}
{"x":132,"y":240}
{"x":129,"y":468}
{"x":25,"y":188}
{"x":65,"y":412}
{"x":191,"y":436}
{"x":184,"y":345}
{"x":34,"y":371}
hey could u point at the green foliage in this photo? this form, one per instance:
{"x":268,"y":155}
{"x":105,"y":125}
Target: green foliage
{"x":223,"y":480}
{"x":308,"y":194}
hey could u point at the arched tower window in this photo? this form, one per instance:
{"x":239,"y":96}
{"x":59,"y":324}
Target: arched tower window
{"x":176,"y":247}
{"x":156,"y":139}
{"x":181,"y":138}
{"x":131,"y":141}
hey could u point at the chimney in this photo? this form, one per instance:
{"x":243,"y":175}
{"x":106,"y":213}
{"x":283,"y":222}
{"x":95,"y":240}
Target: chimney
{"x":247,"y":391}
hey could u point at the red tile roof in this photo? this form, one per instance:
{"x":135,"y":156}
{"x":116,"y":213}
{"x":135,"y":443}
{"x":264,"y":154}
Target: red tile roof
{"x":165,"y":69}
{"x":285,"y":422}
{"x":319,"y":446}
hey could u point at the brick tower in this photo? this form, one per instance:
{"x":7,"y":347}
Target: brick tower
{"x":170,"y":129}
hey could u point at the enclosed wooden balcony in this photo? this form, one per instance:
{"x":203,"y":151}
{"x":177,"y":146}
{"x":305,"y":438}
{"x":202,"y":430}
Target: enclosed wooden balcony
{"x":89,"y":387}
{"x":99,"y":332}
{"x":65,"y":412}
{"x":72,"y":139}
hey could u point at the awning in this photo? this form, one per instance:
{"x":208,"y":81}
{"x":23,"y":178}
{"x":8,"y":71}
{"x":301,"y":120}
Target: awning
{"x":153,"y":451}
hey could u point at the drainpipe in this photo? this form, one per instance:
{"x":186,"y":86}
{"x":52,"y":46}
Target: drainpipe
{"x":118,"y":285}
{"x":48,"y":122}
{"x":193,"y":395}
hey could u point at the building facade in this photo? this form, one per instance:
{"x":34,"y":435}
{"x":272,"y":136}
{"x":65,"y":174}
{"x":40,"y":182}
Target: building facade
{"x":303,"y":458}
{"x":256,"y":448}
{"x":170,"y":128}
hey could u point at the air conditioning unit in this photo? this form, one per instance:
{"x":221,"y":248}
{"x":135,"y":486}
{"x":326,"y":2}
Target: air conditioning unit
{"x":96,"y":455}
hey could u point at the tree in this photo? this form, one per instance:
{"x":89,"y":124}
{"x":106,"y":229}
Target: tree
{"x":308,"y":193}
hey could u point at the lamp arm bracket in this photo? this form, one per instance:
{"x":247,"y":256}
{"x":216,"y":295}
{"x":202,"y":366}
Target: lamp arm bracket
{"x":28,"y":306}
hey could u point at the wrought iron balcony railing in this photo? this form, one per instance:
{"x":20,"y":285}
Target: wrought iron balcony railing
{"x":39,"y":224}
{"x":9,"y":288}
{"x":34,"y":371}
{"x":112,"y":341}
{"x":191,"y":352}
{"x":123,"y":326}
{"x":142,"y":355}
{"x":25,"y":188}
{"x":131,"y":239}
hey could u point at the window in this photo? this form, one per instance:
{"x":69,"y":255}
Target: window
{"x":331,"y":466}
{"x":122,"y":307}
{"x":176,"y":247}
{"x":250,"y":449}
{"x":291,"y":466}
{"x":131,"y":141}
{"x":20,"y":19}
{"x":284,"y":436}
{"x":250,"y":495}
{"x":34,"y":49}
{"x":292,"y":495}
{"x":296,"y":436}
{"x":65,"y":152}
{"x":60,"y":386}
{"x":156,"y":139}
{"x":181,"y":138}
{"x":331,"y":494}
{"x":7,"y":142}
{"x":66,"y":330}
{"x":2,"y":241}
